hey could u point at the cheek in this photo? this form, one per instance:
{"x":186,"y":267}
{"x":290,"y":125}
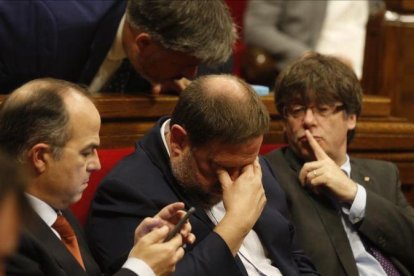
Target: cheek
{"x":205,"y":177}
{"x":76,"y":173}
{"x":291,"y":133}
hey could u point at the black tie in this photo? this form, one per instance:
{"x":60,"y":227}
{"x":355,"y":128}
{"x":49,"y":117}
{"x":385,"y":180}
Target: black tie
{"x":119,"y":80}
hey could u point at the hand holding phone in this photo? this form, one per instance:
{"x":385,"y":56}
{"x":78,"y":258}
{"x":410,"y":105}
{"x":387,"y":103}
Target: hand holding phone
{"x":180,"y":224}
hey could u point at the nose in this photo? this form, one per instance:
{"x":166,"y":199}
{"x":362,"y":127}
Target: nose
{"x":309,"y":118}
{"x":95,"y":163}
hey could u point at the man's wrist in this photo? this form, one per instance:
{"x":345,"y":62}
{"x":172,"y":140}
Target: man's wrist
{"x":138,"y":266}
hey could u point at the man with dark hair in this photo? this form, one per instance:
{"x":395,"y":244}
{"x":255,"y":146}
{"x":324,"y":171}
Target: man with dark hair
{"x":350,"y":214}
{"x":52,"y":128}
{"x":206,"y":155}
{"x":100,"y":44}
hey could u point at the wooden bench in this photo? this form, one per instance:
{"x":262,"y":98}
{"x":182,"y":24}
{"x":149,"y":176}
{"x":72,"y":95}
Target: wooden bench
{"x":379,"y":135}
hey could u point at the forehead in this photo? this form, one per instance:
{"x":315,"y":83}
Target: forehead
{"x":231,"y":155}
{"x":84,"y":118}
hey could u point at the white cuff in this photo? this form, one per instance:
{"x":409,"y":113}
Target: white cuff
{"x":357,"y":211}
{"x":138,"y":266}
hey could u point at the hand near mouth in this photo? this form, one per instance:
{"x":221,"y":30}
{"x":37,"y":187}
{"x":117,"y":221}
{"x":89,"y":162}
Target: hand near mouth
{"x":325,"y":174}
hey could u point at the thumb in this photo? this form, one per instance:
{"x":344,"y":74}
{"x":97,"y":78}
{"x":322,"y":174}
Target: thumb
{"x":157,"y":235}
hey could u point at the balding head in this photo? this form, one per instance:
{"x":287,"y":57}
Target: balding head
{"x":53,"y":128}
{"x":220,"y":108}
{"x":37,"y":113}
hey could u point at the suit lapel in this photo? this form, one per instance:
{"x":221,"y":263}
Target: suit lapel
{"x":56,"y":249}
{"x":154,"y":147}
{"x":102,"y":41}
{"x":329,"y":215}
{"x":359,"y":176}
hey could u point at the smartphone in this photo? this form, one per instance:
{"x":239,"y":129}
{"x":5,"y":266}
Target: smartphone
{"x":178,"y":226}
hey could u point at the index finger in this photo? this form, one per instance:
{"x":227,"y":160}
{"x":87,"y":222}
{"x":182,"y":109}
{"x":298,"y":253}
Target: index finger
{"x":317,"y":149}
{"x":170,"y":210}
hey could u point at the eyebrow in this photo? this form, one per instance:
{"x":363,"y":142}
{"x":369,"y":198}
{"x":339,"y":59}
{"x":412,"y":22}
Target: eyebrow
{"x":91,"y":146}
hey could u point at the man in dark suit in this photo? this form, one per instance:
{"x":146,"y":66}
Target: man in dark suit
{"x":52,"y":128}
{"x":88,"y":41}
{"x":350,"y":214}
{"x":206,"y":155}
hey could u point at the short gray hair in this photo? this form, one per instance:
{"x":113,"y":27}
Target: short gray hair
{"x":201,"y":28}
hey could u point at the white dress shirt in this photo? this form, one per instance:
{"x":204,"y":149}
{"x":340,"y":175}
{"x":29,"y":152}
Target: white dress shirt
{"x":251,"y":252}
{"x":49,"y":216}
{"x":111,"y":62}
{"x":366,"y":264}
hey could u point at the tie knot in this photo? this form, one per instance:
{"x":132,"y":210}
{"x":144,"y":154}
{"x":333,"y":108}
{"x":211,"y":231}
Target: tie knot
{"x":63,"y":227}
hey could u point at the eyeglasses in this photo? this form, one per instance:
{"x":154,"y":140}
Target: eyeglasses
{"x":297,"y":111}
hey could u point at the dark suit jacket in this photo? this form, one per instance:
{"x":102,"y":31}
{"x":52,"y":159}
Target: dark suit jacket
{"x":42,"y":253}
{"x":142,"y":183}
{"x":388,"y":222}
{"x":61,"y":39}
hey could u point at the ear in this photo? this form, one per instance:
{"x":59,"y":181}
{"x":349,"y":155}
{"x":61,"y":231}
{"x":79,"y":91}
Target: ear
{"x":143,"y":42}
{"x":351,"y":121}
{"x":40,"y":155}
{"x":179,"y":140}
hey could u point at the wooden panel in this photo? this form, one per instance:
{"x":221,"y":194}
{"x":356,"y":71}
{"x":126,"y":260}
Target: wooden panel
{"x":389,"y":59}
{"x":403,"y":6}
{"x":126,"y":119}
{"x":112,"y":106}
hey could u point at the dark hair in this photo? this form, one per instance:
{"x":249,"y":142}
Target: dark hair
{"x":201,"y":28}
{"x":36,"y":113}
{"x":320,"y":79}
{"x":220,"y":108}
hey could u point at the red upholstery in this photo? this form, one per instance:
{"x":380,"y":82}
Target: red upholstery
{"x":269,"y":147}
{"x":237,"y":8}
{"x":108,"y":158}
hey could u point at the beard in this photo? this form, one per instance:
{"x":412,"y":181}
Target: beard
{"x":184,"y":172}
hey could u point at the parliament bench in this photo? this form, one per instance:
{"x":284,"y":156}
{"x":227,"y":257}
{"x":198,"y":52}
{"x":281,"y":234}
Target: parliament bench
{"x":126,"y":118}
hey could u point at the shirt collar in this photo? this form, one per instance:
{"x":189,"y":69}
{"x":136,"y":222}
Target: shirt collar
{"x":117,"y":51}
{"x":44,"y":210}
{"x":346,"y":167}
{"x":165,"y":129}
